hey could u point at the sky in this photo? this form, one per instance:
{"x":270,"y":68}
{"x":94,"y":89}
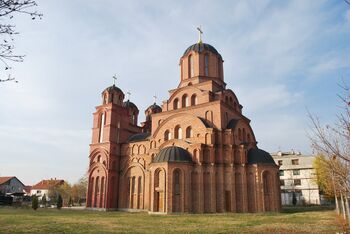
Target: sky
{"x":282,"y":58}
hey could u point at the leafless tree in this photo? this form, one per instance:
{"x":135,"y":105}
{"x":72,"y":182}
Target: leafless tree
{"x":333,"y":141}
{"x":8,"y":10}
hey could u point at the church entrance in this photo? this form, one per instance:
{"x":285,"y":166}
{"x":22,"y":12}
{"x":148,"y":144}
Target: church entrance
{"x":159,"y":202}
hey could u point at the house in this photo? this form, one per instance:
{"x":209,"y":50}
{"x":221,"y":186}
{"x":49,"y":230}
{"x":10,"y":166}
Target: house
{"x":10,"y":185}
{"x":298,"y":177}
{"x":44,"y":186}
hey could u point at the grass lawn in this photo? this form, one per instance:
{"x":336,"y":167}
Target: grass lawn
{"x":291,"y":220}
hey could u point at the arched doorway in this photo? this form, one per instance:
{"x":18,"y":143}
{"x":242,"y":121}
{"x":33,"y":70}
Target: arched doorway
{"x":267,"y":190}
{"x":159,"y":189}
{"x":177,"y":191}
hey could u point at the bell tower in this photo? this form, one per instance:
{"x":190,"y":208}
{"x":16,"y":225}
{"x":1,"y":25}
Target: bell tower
{"x":113,"y":122}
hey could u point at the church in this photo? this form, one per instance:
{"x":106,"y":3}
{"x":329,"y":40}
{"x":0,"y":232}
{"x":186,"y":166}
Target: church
{"x":194,"y":153}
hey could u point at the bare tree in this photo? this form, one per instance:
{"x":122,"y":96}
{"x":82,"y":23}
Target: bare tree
{"x":8,"y":10}
{"x":333,"y":141}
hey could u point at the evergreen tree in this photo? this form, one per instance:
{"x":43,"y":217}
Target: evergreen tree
{"x":59,"y":201}
{"x":43,"y":200}
{"x":35,"y":202}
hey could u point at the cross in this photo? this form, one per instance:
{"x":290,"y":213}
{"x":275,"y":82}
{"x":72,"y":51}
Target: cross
{"x":114,"y":79}
{"x":200,"y":32}
{"x":128,"y":93}
{"x":155,"y":98}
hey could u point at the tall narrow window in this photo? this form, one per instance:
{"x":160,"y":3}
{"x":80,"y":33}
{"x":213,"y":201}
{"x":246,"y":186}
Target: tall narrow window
{"x":189,"y":132}
{"x":178,"y":132}
{"x":176,"y":104}
{"x":177,"y":182}
{"x":190,"y":66}
{"x":102,"y":124}
{"x":219,"y":68}
{"x":185,"y":100}
{"x":167,"y":135}
{"x":206,"y":65}
{"x":193,"y":100}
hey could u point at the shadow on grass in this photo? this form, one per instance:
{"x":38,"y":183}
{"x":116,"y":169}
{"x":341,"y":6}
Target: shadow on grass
{"x":299,"y":209}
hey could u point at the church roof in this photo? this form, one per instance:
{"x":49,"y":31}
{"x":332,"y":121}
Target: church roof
{"x":232,"y":124}
{"x":173,"y":154}
{"x":129,"y":104}
{"x":139,"y":137}
{"x":258,"y":156}
{"x":155,"y":107}
{"x":111,"y":88}
{"x":201,"y":47}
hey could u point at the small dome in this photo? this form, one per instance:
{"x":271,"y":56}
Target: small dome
{"x":201,"y":47}
{"x":129,"y":104}
{"x":154,"y":108}
{"x":112,"y":88}
{"x":173,"y":154}
{"x":258,"y":156}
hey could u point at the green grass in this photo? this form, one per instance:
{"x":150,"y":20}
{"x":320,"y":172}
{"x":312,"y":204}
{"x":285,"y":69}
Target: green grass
{"x":291,"y":220}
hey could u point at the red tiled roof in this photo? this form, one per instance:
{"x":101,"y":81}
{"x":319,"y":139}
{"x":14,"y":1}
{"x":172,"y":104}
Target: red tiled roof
{"x":27,"y":188}
{"x":47,"y":184}
{"x":4,"y":179}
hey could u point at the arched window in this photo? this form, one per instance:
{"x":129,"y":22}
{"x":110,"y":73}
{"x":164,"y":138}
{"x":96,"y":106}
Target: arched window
{"x":104,"y":98}
{"x":98,"y":158}
{"x":248,"y":137}
{"x":226,"y":99}
{"x":231,"y":100}
{"x":102,"y":124}
{"x":189,"y":132}
{"x":244,"y":136}
{"x":177,"y":182}
{"x":176,"y":104}
{"x":167,"y":135}
{"x":178,"y":132}
{"x":239,"y":134}
{"x":219,"y":67}
{"x":193,"y":100}
{"x":185,"y":100}
{"x":206,"y":65}
{"x":190,"y":66}
{"x":133,"y":118}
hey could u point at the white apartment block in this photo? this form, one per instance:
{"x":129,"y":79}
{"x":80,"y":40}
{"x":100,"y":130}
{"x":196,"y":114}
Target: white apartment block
{"x":297,"y":176}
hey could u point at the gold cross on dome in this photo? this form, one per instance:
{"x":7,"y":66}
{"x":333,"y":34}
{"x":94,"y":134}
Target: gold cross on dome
{"x":114,"y":79}
{"x":128,"y":93}
{"x":200,"y":32}
{"x":155,"y":98}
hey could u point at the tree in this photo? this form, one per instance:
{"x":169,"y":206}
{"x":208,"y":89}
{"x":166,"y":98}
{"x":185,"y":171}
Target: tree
{"x":70,"y":202}
{"x":65,"y":190}
{"x":333,"y":142}
{"x":35,"y":202}
{"x":8,"y":10}
{"x":59,"y":201}
{"x":79,"y":190}
{"x":43,"y":200}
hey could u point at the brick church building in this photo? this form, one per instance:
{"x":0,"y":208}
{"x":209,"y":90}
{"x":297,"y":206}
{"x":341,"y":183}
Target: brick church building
{"x":195,"y":153}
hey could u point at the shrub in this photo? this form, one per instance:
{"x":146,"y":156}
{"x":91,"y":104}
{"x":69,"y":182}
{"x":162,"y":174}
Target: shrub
{"x":59,"y":201}
{"x":35,"y":202}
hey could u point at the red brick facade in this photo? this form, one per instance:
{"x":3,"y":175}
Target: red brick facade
{"x":222,"y":170}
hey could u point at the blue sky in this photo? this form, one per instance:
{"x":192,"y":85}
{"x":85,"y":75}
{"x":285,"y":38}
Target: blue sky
{"x":281,"y":57}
